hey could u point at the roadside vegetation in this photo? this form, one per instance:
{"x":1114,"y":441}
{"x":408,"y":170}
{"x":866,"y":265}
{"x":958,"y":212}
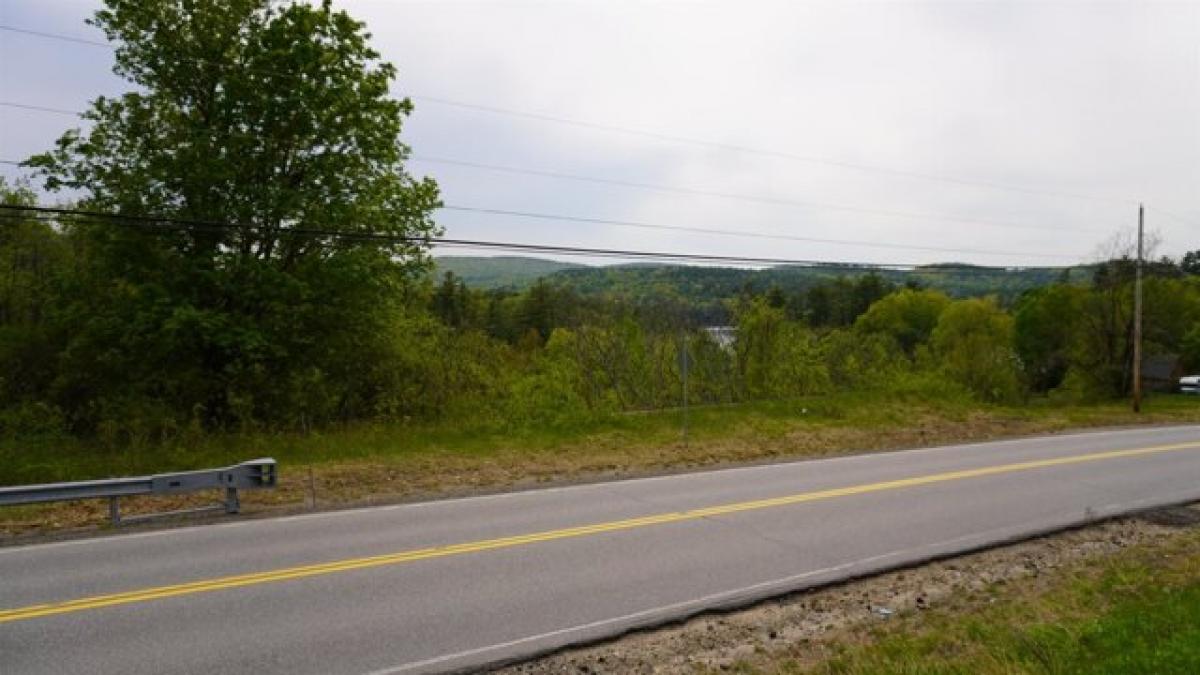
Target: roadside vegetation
{"x":115,"y":343}
{"x":1133,"y":613}
{"x":371,"y":462}
{"x":139,"y":379}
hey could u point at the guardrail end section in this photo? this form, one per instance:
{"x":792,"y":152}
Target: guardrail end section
{"x":262,"y":473}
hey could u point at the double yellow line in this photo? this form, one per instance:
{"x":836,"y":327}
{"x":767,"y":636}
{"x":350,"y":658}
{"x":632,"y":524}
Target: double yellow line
{"x":285,"y":574}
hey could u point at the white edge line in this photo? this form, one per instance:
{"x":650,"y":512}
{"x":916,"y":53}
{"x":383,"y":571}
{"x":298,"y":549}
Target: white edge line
{"x":582,"y":486}
{"x":1064,"y":520}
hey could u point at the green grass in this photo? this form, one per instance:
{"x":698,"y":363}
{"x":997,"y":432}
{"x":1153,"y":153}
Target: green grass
{"x":763,"y":424}
{"x":1133,"y":614}
{"x":367,"y":463}
{"x":1155,"y":632}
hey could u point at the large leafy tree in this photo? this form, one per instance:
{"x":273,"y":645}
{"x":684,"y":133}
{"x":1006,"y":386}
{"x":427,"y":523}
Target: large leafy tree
{"x":269,"y":122}
{"x":31,"y":254}
{"x":1046,"y":328}
{"x":270,"y":118}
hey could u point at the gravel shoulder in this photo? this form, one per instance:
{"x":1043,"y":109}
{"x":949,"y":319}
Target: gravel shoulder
{"x":806,"y":628}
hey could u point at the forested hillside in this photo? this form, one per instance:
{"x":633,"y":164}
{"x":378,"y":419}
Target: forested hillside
{"x":511,"y":272}
{"x":706,"y":293}
{"x":699,"y":283}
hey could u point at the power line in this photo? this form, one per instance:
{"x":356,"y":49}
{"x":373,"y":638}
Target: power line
{"x":666,"y":188}
{"x":757,"y":235}
{"x":679,"y":190}
{"x":738,"y":233}
{"x":651,"y":134}
{"x":1173,"y":216}
{"x":41,"y":108}
{"x":780,"y":154}
{"x":779,"y":201}
{"x":12,"y":212}
{"x":729,"y":233}
{"x":671,"y":138}
{"x":55,"y":36}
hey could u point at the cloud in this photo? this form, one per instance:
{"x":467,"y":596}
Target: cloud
{"x":1095,"y":99}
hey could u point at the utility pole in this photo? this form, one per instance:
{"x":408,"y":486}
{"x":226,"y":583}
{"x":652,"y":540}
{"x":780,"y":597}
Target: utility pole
{"x":1137,"y":320}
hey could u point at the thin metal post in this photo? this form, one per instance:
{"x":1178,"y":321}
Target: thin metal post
{"x":685,"y":390}
{"x":232,"y":505}
{"x":1137,"y":320}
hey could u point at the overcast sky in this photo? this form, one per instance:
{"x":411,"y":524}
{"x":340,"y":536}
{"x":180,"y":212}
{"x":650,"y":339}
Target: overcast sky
{"x":1096,"y":100}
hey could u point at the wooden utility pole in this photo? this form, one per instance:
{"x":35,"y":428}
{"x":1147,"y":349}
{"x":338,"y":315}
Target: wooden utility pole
{"x":1137,"y":320}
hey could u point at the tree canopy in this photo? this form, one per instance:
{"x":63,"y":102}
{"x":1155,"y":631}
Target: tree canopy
{"x":248,"y":127}
{"x":244,"y":112}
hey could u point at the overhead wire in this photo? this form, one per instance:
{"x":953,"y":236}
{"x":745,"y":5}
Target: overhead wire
{"x":750,"y":234}
{"x":1174,"y":216}
{"x":732,"y":233}
{"x":779,"y":154}
{"x":40,"y":108}
{"x":12,"y":212}
{"x":659,"y":136}
{"x":779,"y":201}
{"x":611,"y":128}
{"x":693,"y":191}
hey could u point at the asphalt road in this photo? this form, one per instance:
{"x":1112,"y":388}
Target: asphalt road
{"x":459,"y":584}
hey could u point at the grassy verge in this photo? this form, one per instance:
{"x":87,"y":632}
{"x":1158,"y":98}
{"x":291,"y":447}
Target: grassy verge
{"x":1133,"y":613}
{"x":364,"y":463}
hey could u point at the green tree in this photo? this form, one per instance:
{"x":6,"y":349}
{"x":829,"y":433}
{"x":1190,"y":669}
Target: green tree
{"x":452,"y":301}
{"x":32,"y":258}
{"x":275,"y":119}
{"x":1190,"y":263}
{"x":908,"y":316}
{"x":1047,"y":322}
{"x":858,"y":361}
{"x":1102,"y":350}
{"x":973,"y":345}
{"x":777,"y":357}
{"x":868,"y":289}
{"x":545,"y":307}
{"x":1191,"y":349}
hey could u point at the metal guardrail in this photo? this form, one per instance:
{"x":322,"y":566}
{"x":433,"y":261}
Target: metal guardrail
{"x":257,"y":473}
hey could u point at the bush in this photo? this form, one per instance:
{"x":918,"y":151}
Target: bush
{"x":973,"y":345}
{"x":32,"y":418}
{"x":908,"y":316}
{"x":857,"y":361}
{"x":550,"y":394}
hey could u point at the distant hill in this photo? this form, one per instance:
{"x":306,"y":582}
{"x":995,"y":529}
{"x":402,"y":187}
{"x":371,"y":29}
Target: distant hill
{"x":515,"y":272}
{"x":707,"y":283}
{"x":704,"y":285}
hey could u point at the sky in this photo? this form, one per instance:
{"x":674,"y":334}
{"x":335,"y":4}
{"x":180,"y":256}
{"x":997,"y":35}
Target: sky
{"x":1002,"y":133}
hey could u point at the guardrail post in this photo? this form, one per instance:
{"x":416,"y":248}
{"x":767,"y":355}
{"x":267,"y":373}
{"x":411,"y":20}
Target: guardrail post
{"x":232,"y":505}
{"x":114,"y":510}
